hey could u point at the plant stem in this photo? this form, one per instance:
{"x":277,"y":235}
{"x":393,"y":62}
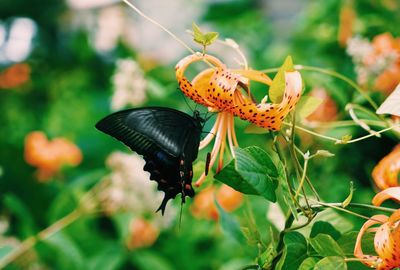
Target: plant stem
{"x":333,"y":74}
{"x":303,"y":177}
{"x":158,"y":25}
{"x":338,"y":206}
{"x":282,"y":159}
{"x":42,"y":235}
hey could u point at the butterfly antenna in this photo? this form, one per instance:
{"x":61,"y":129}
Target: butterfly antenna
{"x":187,"y":103}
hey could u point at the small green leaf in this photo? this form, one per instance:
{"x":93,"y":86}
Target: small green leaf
{"x":229,"y":225}
{"x":252,"y":172}
{"x":203,"y":39}
{"x":331,"y":263}
{"x":267,"y":257}
{"x":294,"y":253}
{"x":309,"y":263}
{"x":210,"y":37}
{"x":324,"y":228}
{"x":345,"y":139}
{"x":325,"y":245}
{"x":279,"y":83}
{"x":198,"y":36}
{"x":307,"y":105}
{"x":347,"y":201}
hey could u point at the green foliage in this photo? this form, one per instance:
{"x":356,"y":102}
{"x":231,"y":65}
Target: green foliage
{"x":252,"y":172}
{"x":331,"y":263}
{"x":230,"y":225}
{"x":279,"y":83}
{"x":70,"y":88}
{"x":204,"y":39}
{"x":307,"y":105}
{"x":295,"y":251}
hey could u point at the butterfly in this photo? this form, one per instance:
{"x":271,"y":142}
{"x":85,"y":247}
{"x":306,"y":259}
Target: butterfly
{"x":167,"y":139}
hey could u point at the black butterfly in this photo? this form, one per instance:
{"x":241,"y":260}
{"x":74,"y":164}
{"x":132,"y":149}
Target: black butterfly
{"x":167,"y":139}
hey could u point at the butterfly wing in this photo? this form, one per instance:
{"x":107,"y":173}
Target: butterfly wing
{"x":168,"y":140}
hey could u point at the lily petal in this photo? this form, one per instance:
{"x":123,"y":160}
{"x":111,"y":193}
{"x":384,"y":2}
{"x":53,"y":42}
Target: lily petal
{"x":389,"y":193}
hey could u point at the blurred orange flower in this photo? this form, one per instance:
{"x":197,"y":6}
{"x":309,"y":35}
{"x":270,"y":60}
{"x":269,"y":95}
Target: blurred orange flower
{"x":204,"y":205}
{"x":385,"y":174}
{"x":14,"y":76}
{"x":50,"y":156}
{"x":327,"y":111}
{"x":387,"y":235}
{"x":385,"y":44}
{"x":142,"y":234}
{"x":347,"y":18}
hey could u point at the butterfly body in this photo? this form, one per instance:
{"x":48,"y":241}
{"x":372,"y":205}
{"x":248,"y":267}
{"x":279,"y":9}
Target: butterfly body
{"x":167,"y":139}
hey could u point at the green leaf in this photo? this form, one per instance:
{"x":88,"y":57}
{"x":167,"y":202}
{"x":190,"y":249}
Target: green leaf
{"x":294,"y":253}
{"x":347,"y":201}
{"x":392,"y":104}
{"x":267,"y":257}
{"x":309,"y":263}
{"x":252,"y":172}
{"x":198,"y":36}
{"x":68,"y":252}
{"x":348,"y":240}
{"x":279,"y":83}
{"x":150,"y":260}
{"x":109,"y":258}
{"x":230,"y":225}
{"x":253,"y":129}
{"x":18,"y":208}
{"x":325,"y":245}
{"x":331,"y":263}
{"x":210,"y":37}
{"x":345,"y":139}
{"x":307,"y":105}
{"x":324,"y":228}
{"x":204,"y":39}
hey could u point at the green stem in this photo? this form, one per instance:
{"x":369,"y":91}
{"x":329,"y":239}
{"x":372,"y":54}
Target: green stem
{"x":372,"y":135}
{"x":30,"y":242}
{"x":338,"y":206}
{"x":298,"y":166}
{"x":344,"y":123}
{"x":303,"y":177}
{"x":333,"y":74}
{"x":341,"y":77}
{"x":282,"y":159}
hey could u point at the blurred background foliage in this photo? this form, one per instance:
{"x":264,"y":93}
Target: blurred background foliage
{"x":64,"y":65}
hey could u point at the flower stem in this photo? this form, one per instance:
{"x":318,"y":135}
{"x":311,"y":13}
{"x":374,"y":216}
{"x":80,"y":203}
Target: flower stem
{"x":158,"y":25}
{"x":30,"y":242}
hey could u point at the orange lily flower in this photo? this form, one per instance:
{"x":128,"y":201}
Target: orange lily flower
{"x":387,"y":235}
{"x":142,"y":234}
{"x":221,"y":90}
{"x":204,"y":203}
{"x":50,"y":156}
{"x":385,"y":174}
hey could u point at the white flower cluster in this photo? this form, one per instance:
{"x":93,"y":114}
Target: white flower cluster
{"x":130,"y":189}
{"x":368,"y":63}
{"x":129,"y":84}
